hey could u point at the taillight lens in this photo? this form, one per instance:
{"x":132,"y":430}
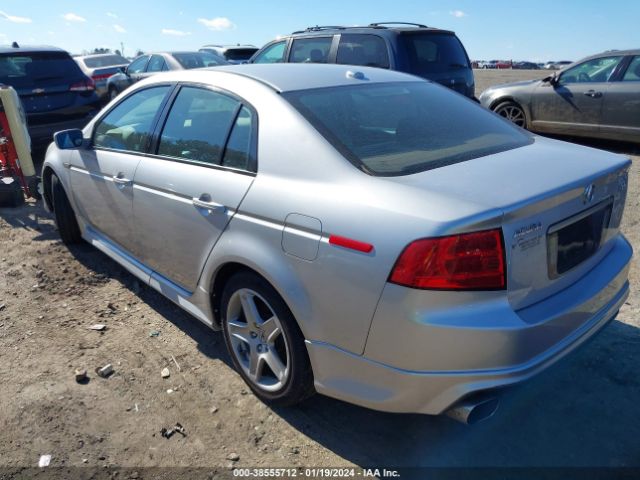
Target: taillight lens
{"x":87,"y":85}
{"x":102,"y":76}
{"x":469,"y":261}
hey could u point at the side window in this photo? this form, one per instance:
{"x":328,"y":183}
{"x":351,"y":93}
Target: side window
{"x":156,"y":64}
{"x":310,"y":50}
{"x":633,"y":71}
{"x":358,"y":49}
{"x":137,"y":66}
{"x":128,"y":126}
{"x":272,"y":54}
{"x":238,"y":152}
{"x":197,"y":125}
{"x":596,"y":70}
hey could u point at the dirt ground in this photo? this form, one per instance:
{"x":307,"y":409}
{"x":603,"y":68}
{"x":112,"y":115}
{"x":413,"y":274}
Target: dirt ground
{"x":582,"y":412}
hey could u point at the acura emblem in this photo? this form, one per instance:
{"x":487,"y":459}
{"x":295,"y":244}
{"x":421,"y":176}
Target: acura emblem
{"x":587,"y":195}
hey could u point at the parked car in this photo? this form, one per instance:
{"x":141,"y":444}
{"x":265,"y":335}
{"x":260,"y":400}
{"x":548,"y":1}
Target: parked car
{"x":557,"y":65}
{"x":100,"y":67}
{"x":151,"y":63}
{"x":525,"y":66}
{"x":233,"y":54}
{"x":55,"y":94}
{"x":595,"y":97}
{"x":420,"y":256}
{"x":408,"y":47}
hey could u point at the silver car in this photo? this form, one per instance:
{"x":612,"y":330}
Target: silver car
{"x":598,"y":96}
{"x":361,"y":233}
{"x":100,"y":67}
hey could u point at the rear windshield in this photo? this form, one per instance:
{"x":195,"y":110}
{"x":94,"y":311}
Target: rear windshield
{"x":433,"y":52}
{"x":198,"y":60}
{"x":106,"y":61}
{"x":392,"y":129}
{"x":238,"y":54}
{"x":22,"y":70}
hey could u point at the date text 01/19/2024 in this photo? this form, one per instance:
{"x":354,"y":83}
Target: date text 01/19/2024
{"x":314,"y":473}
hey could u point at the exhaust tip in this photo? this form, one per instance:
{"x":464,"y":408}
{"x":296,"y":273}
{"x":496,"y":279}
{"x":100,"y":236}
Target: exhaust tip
{"x":472,"y":411}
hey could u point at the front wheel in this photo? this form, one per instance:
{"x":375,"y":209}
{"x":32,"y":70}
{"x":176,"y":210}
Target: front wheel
{"x":113,"y":93}
{"x":264,"y":341}
{"x":512,"y":112}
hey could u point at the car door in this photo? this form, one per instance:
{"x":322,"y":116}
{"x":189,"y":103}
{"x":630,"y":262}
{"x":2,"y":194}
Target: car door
{"x":621,"y":111}
{"x":101,"y":175}
{"x":137,"y":68}
{"x":572,"y":104}
{"x":186,"y":193}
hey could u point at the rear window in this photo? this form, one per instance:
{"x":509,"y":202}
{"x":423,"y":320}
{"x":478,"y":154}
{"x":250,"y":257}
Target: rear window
{"x":402,"y":128}
{"x":239,"y":54}
{"x":433,"y":52}
{"x":198,"y":60}
{"x":22,"y":70}
{"x":106,"y":61}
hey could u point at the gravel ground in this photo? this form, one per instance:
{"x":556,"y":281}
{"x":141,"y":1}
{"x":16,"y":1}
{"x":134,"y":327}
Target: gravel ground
{"x":582,"y":412}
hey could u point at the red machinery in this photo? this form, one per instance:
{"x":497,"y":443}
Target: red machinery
{"x":17,"y":174}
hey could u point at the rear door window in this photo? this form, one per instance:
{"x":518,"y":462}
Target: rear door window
{"x":37,"y":69}
{"x":310,"y":50}
{"x":128,"y":126}
{"x":239,"y":153}
{"x":198,"y":125}
{"x":433,"y":52}
{"x":156,"y":64}
{"x":359,"y":49}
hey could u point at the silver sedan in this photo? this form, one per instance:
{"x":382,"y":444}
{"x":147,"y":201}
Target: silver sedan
{"x":360,"y":233}
{"x":598,"y":97}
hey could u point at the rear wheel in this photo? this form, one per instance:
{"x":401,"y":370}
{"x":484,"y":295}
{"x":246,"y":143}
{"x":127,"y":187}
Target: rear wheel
{"x":63,"y":212}
{"x":512,"y":112}
{"x":264,"y":341}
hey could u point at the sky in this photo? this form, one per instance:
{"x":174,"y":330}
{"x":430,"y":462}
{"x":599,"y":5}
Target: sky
{"x":537,"y":30}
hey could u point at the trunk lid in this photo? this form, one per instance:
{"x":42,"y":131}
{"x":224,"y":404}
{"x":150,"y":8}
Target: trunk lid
{"x":552,"y":195}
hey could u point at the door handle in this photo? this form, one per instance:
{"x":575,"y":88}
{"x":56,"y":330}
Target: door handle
{"x":120,"y":179}
{"x":593,"y":94}
{"x":205,"y":202}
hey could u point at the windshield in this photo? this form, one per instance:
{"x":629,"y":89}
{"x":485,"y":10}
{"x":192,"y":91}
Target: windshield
{"x":104,"y":61}
{"x":199,"y":60}
{"x":22,"y":70}
{"x":402,"y":128}
{"x":433,"y":52}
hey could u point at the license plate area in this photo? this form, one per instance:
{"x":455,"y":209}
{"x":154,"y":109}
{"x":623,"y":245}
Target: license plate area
{"x":574,"y":240}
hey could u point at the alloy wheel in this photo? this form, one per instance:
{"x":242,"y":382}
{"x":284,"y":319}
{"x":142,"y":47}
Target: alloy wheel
{"x":513,"y":113}
{"x":258,"y":340}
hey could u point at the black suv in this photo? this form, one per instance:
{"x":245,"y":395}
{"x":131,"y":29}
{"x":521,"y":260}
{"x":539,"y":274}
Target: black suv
{"x":55,"y":94}
{"x":430,"y":53}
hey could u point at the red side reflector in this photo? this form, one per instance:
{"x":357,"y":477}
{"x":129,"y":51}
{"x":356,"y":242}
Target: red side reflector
{"x":345,"y":242}
{"x":470,"y":261}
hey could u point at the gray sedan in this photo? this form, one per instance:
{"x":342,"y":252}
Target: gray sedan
{"x":361,"y":232}
{"x":595,"y":97}
{"x":149,"y":64}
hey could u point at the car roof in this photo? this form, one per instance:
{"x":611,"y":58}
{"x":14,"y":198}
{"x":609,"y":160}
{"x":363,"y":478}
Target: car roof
{"x":30,"y":49}
{"x":284,"y":77}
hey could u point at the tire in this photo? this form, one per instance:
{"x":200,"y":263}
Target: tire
{"x":512,"y":112}
{"x":64,"y":215}
{"x":266,"y":345}
{"x":113,"y":93}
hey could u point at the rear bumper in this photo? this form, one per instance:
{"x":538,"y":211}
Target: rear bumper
{"x":424,"y":362}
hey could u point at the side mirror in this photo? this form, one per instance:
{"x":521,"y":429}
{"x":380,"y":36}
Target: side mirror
{"x":552,"y":79}
{"x":69,"y":139}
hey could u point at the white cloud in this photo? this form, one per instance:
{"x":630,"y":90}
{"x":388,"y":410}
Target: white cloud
{"x":72,"y":17}
{"x":458,"y":13}
{"x":14,"y":19}
{"x":119,"y":29}
{"x":217,"y":23}
{"x":174,"y":33}
{"x":112,"y":15}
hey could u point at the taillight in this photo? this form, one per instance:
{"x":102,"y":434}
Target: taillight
{"x":102,"y":76}
{"x":85,"y":86}
{"x":469,"y":261}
